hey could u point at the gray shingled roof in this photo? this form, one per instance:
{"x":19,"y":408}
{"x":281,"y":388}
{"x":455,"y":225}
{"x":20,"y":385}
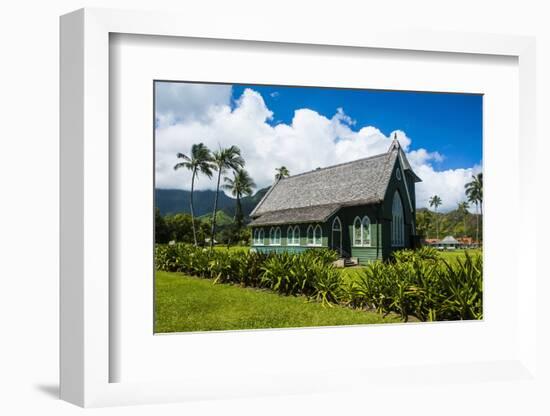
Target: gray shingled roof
{"x":319,"y":213}
{"x":449,"y":240}
{"x":313,"y":196}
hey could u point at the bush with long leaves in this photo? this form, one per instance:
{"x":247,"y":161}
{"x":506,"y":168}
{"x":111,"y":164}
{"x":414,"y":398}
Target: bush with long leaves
{"x":414,"y":283}
{"x":309,"y":273}
{"x":422,"y":284}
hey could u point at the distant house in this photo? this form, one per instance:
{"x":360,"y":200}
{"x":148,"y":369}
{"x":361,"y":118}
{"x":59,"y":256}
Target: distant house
{"x":364,"y":209}
{"x":449,"y":243}
{"x":430,"y":241}
{"x":467,"y":242}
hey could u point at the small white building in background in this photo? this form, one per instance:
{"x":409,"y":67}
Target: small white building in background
{"x":448,"y":243}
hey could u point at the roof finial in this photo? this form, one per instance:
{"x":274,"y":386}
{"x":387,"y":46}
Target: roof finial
{"x":394,"y":143}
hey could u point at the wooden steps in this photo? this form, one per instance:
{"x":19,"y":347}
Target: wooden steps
{"x":348,"y":262}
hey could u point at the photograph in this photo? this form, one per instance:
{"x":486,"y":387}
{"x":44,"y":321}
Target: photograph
{"x":281,"y":206}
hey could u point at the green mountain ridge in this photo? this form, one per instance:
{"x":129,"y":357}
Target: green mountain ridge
{"x":175,"y":201}
{"x":222,"y":218}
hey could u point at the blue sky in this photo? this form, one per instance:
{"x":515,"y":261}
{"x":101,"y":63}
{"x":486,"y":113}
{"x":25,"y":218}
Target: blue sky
{"x":450,"y":124}
{"x":304,"y":128}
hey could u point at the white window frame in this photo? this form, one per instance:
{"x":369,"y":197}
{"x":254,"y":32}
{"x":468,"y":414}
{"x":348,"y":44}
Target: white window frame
{"x":258,"y":237}
{"x":308,"y":241}
{"x":293,"y":235}
{"x":363,"y":242}
{"x":361,"y":222}
{"x":339,"y":222}
{"x":397,"y":223}
{"x":273,"y":240}
{"x":355,"y":221}
{"x":315,"y":242}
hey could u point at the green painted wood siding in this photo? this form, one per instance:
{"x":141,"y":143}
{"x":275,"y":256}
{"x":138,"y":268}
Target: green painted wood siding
{"x":284,"y":246}
{"x":347,"y":216}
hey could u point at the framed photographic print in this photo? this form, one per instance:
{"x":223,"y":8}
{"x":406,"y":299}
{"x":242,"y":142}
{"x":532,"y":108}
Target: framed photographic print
{"x":275,"y":214}
{"x":317,"y":211}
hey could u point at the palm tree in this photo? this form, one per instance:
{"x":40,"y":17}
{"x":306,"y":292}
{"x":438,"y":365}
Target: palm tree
{"x":435,"y":201}
{"x":200,"y":161}
{"x":463,"y":209}
{"x":474,"y":192}
{"x":223,"y":159}
{"x":282,"y":172}
{"x":240,"y":185}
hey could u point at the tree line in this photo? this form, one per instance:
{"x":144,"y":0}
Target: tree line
{"x":473,"y":195}
{"x":203,"y":162}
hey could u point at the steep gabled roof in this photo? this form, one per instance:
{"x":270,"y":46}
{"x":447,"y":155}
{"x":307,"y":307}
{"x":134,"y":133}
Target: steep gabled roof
{"x":313,"y":196}
{"x":449,"y":240}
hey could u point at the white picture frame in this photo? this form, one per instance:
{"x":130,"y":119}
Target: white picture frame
{"x":85,"y":215}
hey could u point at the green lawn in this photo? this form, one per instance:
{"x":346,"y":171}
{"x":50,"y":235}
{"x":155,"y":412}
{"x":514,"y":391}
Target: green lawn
{"x":452,"y":255}
{"x":185,"y":303}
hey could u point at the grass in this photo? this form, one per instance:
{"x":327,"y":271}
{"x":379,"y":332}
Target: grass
{"x":185,"y":303}
{"x":452,"y":255}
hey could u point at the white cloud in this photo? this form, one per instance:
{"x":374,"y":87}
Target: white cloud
{"x":311,"y":140}
{"x":181,"y":102}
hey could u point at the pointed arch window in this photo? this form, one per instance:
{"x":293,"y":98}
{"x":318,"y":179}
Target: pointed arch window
{"x":314,"y":235}
{"x":310,"y":235}
{"x":297,"y":235}
{"x":361,"y":232}
{"x":261,"y":237}
{"x":277,"y":237}
{"x":293,"y":235}
{"x":398,"y":222}
{"x":357,"y":240}
{"x":336,"y":224}
{"x":365,"y":231}
{"x":317,"y":235}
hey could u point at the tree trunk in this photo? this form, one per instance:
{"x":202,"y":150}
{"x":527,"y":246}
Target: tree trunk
{"x":437,"y":223}
{"x":238,"y":213}
{"x":481,"y":211}
{"x":477,"y":224}
{"x":213,"y":231}
{"x":192,"y":208}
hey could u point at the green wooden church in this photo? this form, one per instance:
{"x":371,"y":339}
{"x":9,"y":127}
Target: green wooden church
{"x":364,"y":209}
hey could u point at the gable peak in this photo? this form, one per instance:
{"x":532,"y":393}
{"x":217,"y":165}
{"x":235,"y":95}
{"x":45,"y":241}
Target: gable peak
{"x":395,"y":145}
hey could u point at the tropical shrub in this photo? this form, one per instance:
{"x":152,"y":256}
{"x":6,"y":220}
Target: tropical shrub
{"x":422,"y":284}
{"x":415,"y":283}
{"x":327,"y":285}
{"x":309,"y":273}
